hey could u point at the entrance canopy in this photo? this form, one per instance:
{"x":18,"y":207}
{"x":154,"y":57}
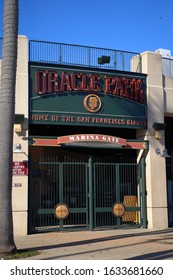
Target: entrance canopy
{"x":90,"y":140}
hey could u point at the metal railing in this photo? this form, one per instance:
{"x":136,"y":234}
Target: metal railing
{"x":68,"y":54}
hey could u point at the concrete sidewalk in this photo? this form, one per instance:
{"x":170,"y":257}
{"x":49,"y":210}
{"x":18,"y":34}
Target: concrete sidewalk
{"x":125,"y":244}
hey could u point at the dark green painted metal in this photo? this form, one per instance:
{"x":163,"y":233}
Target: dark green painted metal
{"x":143,"y":183}
{"x":117,"y":183}
{"x":118,"y":173}
{"x":133,"y":208}
{"x":47,"y":194}
{"x":60,"y":167}
{"x":118,"y":199}
{"x":90,"y":189}
{"x":90,"y":174}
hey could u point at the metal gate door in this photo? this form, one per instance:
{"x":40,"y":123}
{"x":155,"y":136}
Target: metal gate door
{"x":60,"y":186}
{"x":123,"y":185}
{"x":81,"y":195}
{"x":169,"y":174}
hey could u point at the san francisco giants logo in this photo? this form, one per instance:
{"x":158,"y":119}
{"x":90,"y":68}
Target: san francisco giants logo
{"x":118,"y":209}
{"x":61,"y":211}
{"x":92,"y":103}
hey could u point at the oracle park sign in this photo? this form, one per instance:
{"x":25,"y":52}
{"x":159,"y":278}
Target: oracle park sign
{"x":68,"y":95}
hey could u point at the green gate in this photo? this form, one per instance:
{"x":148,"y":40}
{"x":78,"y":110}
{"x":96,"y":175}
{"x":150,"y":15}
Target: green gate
{"x":119,"y":184}
{"x":80,"y":194}
{"x":58,"y":183}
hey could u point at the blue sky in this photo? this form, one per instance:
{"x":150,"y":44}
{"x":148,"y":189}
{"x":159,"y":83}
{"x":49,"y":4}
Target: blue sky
{"x":126,"y":25}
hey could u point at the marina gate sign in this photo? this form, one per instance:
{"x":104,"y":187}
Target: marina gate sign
{"x":78,"y":96}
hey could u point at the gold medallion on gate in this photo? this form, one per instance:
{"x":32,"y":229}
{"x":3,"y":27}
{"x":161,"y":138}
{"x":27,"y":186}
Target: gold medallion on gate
{"x":61,"y":211}
{"x":118,"y":209}
{"x":92,"y":103}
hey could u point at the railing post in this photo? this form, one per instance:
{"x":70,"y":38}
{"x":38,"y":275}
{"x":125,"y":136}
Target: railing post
{"x":90,"y":194}
{"x":115,"y":60}
{"x":61,"y":167}
{"x":143,"y":182}
{"x":89,"y":58}
{"x":118,"y":189}
{"x":60,"y":54}
{"x":123,"y":67}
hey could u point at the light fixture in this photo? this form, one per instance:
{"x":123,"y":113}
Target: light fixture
{"x":103,"y":59}
{"x":158,"y":127}
{"x":18,"y":120}
{"x":17,"y":127}
{"x":17,"y":148}
{"x":163,"y":154}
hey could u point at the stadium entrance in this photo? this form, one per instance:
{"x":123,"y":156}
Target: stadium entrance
{"x":74,"y":188}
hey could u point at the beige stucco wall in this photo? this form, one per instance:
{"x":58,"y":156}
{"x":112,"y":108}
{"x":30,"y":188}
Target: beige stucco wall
{"x":20,"y":194}
{"x":159,"y":103}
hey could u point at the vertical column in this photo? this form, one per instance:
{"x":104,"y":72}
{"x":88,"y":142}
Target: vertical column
{"x":20,"y":195}
{"x":90,"y":195}
{"x":61,"y":191}
{"x":143,"y":188}
{"x":118,"y":190}
{"x":156,"y":185}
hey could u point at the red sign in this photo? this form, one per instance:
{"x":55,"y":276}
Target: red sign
{"x":20,"y":168}
{"x":90,"y":138}
{"x":51,"y":81}
{"x":80,"y":138}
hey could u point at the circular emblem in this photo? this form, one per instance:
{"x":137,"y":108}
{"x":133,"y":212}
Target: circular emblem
{"x":118,"y":209}
{"x":61,"y":211}
{"x":92,"y":103}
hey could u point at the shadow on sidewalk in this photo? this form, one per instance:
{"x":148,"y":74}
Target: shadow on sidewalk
{"x":159,"y":237}
{"x":161,"y":255}
{"x":104,"y":239}
{"x":155,"y":256}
